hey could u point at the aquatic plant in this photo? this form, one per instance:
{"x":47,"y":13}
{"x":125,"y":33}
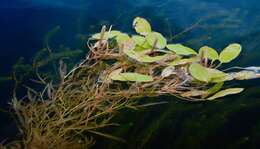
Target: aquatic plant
{"x":118,"y":70}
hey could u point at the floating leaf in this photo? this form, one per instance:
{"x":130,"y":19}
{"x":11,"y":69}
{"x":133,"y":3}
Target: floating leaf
{"x":121,"y":38}
{"x":205,"y":74}
{"x":199,"y":72}
{"x":131,"y":76}
{"x":139,"y":40}
{"x":107,"y":35}
{"x":226,"y":92}
{"x":131,"y":53}
{"x":142,"y":26}
{"x":141,"y":50}
{"x":179,"y":61}
{"x":146,"y":45}
{"x":230,"y":52}
{"x":141,"y":56}
{"x":214,"y":73}
{"x":158,"y":38}
{"x":181,"y":50}
{"x":227,"y":77}
{"x":208,"y":52}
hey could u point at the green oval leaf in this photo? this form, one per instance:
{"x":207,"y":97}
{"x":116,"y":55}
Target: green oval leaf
{"x":181,"y":50}
{"x":208,"y":52}
{"x":141,"y":56}
{"x":214,"y":73}
{"x":121,"y":38}
{"x":139,"y":40}
{"x":199,"y":72}
{"x":184,"y":61}
{"x":226,"y":92}
{"x":158,"y":38}
{"x":142,"y":26}
{"x":131,"y":76}
{"x":230,"y":52}
{"x":205,"y":74}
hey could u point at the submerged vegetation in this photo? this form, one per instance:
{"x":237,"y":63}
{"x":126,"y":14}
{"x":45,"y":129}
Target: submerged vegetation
{"x":117,"y":72}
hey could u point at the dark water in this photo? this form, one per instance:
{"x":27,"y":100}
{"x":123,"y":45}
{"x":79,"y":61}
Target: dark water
{"x":229,"y":123}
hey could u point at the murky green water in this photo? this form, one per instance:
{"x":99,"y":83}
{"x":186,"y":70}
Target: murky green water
{"x":231,"y":122}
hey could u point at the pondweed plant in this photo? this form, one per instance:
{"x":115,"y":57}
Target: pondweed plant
{"x":118,"y":70}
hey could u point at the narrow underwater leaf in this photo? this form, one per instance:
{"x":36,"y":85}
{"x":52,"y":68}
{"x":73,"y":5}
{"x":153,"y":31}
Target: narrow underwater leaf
{"x":199,"y":72}
{"x":194,"y":93}
{"x":230,"y":52}
{"x":214,"y":89}
{"x":108,"y":136}
{"x":142,"y":26}
{"x":163,"y":51}
{"x":131,"y":76}
{"x":252,"y":68}
{"x":226,"y":92}
{"x":245,"y":75}
{"x":158,"y":38}
{"x":208,"y":52}
{"x":184,"y":61}
{"x":107,"y":35}
{"x":181,"y":49}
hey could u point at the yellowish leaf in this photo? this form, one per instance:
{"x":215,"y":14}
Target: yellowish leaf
{"x":181,"y":49}
{"x":142,"y":26}
{"x":230,"y":52}
{"x":226,"y":92}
